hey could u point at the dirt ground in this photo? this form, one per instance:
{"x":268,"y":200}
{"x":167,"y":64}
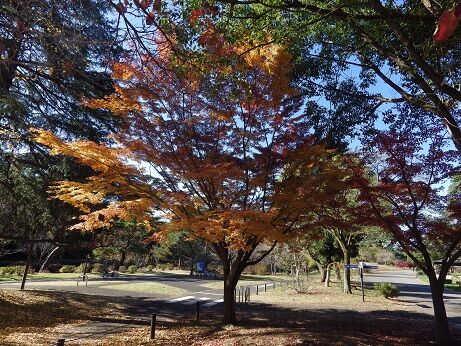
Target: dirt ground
{"x":323,"y":316}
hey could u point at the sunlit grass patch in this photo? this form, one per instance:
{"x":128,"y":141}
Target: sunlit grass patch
{"x":147,"y":287}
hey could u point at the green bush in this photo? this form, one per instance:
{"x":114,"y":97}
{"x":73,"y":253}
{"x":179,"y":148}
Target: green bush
{"x":261,"y":269}
{"x":132,"y":269}
{"x":81,"y":268}
{"x":150,"y":268}
{"x":97,"y":268}
{"x":122,"y":269}
{"x":67,"y":269}
{"x":54,"y":268}
{"x":165,"y":266}
{"x":12,"y":270}
{"x":386,"y":289}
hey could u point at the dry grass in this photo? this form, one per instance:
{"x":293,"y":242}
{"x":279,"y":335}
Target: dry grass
{"x":26,"y":317}
{"x":324,"y":316}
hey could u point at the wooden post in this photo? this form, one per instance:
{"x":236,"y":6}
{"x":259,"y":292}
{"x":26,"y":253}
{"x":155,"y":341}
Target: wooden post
{"x":60,"y":342}
{"x":257,"y":289}
{"x":265,"y":287}
{"x":247,"y":294}
{"x":361,"y":284}
{"x":85,"y":266}
{"x":153,"y":323}
{"x":197,"y":311}
{"x":26,"y":270}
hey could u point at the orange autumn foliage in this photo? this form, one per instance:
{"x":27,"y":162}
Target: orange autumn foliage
{"x":222,"y":154}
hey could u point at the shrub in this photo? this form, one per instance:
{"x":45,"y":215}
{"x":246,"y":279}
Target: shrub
{"x":386,"y":289}
{"x":403,"y":264}
{"x":122,"y":269}
{"x":67,"y":269}
{"x":169,"y":266}
{"x":132,"y":269}
{"x":97,"y":268}
{"x":150,"y":268}
{"x":12,"y":270}
{"x":165,"y":266}
{"x":250,"y":270}
{"x":261,"y":269}
{"x":81,"y":268}
{"x":54,"y":268}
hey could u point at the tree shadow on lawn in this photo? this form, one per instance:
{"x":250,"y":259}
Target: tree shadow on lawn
{"x":33,"y":308}
{"x":343,"y":326}
{"x":311,"y":326}
{"x":256,"y":320}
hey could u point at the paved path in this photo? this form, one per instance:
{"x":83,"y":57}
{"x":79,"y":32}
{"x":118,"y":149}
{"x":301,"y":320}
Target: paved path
{"x":418,"y":292}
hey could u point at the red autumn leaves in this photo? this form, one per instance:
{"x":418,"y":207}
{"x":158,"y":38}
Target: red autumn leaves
{"x":447,"y":24}
{"x":143,"y":5}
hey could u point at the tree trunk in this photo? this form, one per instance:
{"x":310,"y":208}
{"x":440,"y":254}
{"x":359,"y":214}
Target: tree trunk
{"x":122,"y":258}
{"x":230,"y":282}
{"x":26,"y":270}
{"x":347,"y":272}
{"x":192,"y":262}
{"x":47,"y":260}
{"x":442,"y":331}
{"x":322,"y":271}
{"x":298,"y":280}
{"x":327,"y":276}
{"x":337,"y":272}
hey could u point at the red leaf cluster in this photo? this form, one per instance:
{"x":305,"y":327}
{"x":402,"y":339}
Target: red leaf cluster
{"x":447,"y":24}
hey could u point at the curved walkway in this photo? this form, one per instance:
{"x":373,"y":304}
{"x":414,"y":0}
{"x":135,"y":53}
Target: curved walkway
{"x":415,"y":291}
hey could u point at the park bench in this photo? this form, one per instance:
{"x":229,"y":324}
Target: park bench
{"x":205,"y":274}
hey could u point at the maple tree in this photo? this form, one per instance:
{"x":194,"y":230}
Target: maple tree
{"x":405,"y":195}
{"x":220,"y":156}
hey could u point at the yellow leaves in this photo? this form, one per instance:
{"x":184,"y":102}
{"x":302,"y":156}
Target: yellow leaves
{"x":119,"y":104}
{"x":99,"y":157}
{"x":137,"y":209}
{"x":127,"y":197}
{"x":270,"y":57}
{"x":232,"y":227}
{"x":221,"y":115}
{"x":123,"y":71}
{"x":77,"y":194}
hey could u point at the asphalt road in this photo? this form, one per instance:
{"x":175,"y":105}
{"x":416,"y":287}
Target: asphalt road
{"x":195,"y":289}
{"x":418,"y":292}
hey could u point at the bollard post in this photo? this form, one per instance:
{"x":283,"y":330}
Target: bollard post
{"x":197,"y":311}
{"x":257,"y":289}
{"x":265,"y":287}
{"x":60,"y":342}
{"x":153,"y":322}
{"x":273,"y":285}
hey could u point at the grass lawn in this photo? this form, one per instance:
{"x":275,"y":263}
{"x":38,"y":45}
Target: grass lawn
{"x":147,"y":287}
{"x":39,"y":276}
